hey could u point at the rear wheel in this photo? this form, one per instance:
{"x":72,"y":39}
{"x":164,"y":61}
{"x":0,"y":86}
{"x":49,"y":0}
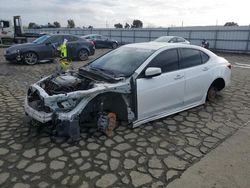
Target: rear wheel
{"x":30,"y":58}
{"x":114,"y":45}
{"x":83,"y":55}
{"x":212,"y":93}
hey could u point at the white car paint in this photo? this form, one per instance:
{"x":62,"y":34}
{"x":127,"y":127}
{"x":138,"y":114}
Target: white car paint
{"x":179,"y":90}
{"x":172,"y":39}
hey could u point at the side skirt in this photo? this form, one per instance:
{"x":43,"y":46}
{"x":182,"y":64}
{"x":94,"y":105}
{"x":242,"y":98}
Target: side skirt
{"x":166,"y":113}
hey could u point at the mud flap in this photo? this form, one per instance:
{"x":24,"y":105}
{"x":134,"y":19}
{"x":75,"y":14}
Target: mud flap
{"x":69,"y":129}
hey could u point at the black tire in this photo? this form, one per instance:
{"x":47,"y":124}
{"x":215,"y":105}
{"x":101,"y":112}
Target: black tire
{"x":83,"y":55}
{"x":30,"y":58}
{"x":212,"y":93}
{"x":114,"y":45}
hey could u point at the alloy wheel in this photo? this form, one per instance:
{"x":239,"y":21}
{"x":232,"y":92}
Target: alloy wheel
{"x":30,"y":58}
{"x":83,"y":55}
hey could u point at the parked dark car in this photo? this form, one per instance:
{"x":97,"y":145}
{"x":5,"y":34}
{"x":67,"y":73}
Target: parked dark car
{"x":43,"y":48}
{"x":101,"y":41}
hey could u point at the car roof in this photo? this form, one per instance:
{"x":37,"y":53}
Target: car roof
{"x":91,"y":35}
{"x":156,"y":45}
{"x":159,"y":45}
{"x":170,"y":36}
{"x":62,"y":34}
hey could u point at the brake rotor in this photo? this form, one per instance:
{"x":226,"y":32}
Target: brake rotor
{"x":107,"y":123}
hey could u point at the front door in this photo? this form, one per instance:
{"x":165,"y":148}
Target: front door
{"x":163,"y":93}
{"x":47,"y":51}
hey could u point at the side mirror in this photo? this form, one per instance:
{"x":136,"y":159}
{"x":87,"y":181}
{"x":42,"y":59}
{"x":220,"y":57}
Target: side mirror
{"x":152,"y":71}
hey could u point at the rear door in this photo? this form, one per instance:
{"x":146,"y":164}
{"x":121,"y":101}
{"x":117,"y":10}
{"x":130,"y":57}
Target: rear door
{"x":99,"y":41}
{"x":163,"y":93}
{"x":197,"y":72}
{"x":72,"y":46}
{"x":181,"y":40}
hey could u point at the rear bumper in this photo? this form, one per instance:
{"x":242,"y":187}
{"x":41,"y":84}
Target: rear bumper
{"x":92,"y":50}
{"x":227,"y":77}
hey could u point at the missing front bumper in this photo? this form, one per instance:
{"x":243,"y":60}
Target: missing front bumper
{"x":42,"y":117}
{"x":65,"y":128}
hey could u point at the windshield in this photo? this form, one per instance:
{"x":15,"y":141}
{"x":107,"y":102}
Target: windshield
{"x":163,"y":39}
{"x":122,"y":61}
{"x":41,"y":39}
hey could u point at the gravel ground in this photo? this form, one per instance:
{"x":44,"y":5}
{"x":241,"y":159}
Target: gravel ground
{"x":152,"y":155}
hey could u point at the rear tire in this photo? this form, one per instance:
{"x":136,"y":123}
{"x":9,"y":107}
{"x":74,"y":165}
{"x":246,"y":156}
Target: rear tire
{"x":212,"y":93}
{"x":83,"y":55}
{"x":30,"y":58}
{"x":114,"y":45}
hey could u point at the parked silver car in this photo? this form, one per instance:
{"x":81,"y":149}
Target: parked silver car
{"x":135,"y":83}
{"x":172,"y":39}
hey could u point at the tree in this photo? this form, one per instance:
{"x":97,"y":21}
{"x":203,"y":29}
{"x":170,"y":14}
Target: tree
{"x":118,"y":25}
{"x":57,"y":24}
{"x":71,"y":23}
{"x":90,"y":27}
{"x":31,"y":25}
{"x":231,"y":24}
{"x":137,"y":24}
{"x":127,"y":26}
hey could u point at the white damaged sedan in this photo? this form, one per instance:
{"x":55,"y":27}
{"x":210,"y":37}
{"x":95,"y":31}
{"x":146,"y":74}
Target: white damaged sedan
{"x":135,"y":83}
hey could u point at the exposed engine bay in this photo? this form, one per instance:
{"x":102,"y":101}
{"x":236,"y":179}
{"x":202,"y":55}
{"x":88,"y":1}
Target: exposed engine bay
{"x":70,"y":100}
{"x":65,"y":83}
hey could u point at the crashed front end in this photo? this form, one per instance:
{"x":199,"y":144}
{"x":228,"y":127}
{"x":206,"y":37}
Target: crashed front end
{"x":61,"y":99}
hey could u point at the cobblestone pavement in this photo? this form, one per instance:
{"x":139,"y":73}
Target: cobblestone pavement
{"x":149,"y":156}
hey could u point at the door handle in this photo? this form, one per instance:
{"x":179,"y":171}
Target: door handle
{"x":178,"y":77}
{"x":205,"y":68}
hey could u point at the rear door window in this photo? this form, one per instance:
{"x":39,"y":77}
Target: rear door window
{"x":173,"y":40}
{"x":166,"y":60}
{"x":180,"y":40}
{"x":71,"y":38}
{"x":204,"y":57}
{"x":98,"y":37}
{"x":190,"y":58}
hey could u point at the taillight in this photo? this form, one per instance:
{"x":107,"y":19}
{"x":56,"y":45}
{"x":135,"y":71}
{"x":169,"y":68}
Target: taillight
{"x":229,"y":66}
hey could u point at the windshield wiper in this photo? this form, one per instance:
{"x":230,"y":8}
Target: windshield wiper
{"x":109,"y":72}
{"x":103,"y":72}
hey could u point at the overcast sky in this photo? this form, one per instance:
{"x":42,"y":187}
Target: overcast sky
{"x":153,"y":13}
